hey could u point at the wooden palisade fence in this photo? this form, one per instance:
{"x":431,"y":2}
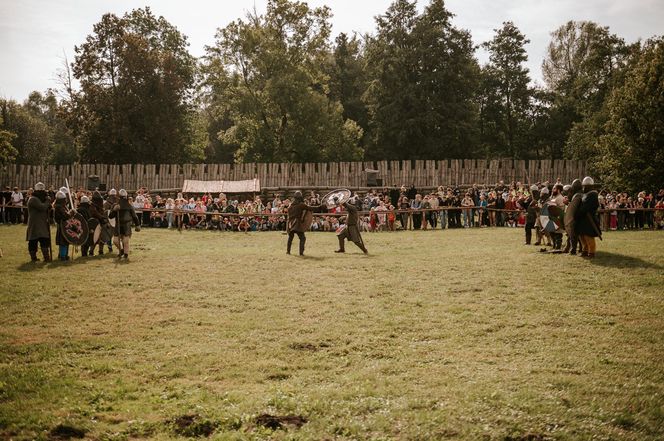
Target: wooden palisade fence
{"x":420,"y":173}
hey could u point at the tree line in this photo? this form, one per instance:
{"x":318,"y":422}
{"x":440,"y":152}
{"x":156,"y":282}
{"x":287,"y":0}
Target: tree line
{"x":277,"y":87}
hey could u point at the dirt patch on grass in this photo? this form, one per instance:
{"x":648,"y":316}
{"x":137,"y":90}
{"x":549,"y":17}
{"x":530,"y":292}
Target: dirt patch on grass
{"x":276,"y":422}
{"x":527,"y":437}
{"x":66,"y":431}
{"x":310,"y":347}
{"x":192,"y":425}
{"x":278,"y":377}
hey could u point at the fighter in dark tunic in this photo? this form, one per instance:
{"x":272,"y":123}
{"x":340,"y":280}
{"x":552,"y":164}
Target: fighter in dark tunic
{"x":124,"y":216}
{"x":587,"y":222}
{"x":97,"y":212}
{"x":298,"y":221}
{"x":61,"y":212}
{"x":574,"y":197}
{"x":109,"y":203}
{"x":84,"y":210}
{"x":39,"y":231}
{"x":352,"y":230}
{"x":531,"y":212}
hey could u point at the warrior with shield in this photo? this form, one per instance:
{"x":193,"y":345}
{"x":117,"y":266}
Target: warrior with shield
{"x":587,"y":221}
{"x":60,"y":214}
{"x":124,"y":216}
{"x":300,"y":216}
{"x":351,"y":231}
{"x":39,"y":231}
{"x":574,"y":196}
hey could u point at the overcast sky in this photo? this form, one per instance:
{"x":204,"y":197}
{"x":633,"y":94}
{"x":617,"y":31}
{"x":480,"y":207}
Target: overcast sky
{"x":34,"y":33}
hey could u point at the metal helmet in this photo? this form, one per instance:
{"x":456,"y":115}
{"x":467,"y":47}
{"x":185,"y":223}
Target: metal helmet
{"x":567,"y":188}
{"x":39,"y":186}
{"x":60,"y":195}
{"x":64,"y":190}
{"x":544,"y":190}
{"x":588,"y":181}
{"x":576,"y":186}
{"x":122,"y":193}
{"x":112,"y":192}
{"x":298,"y":195}
{"x":533,"y":188}
{"x":85,"y":200}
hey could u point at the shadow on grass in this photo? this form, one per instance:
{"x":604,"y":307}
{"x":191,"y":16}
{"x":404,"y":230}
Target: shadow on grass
{"x":77,"y":260}
{"x":613,"y":260}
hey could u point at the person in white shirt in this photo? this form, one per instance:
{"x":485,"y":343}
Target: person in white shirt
{"x":16,"y":201}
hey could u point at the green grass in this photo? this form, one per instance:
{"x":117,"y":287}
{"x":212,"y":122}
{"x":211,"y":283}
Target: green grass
{"x":462,"y":334}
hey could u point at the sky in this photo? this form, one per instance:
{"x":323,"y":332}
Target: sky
{"x":36,"y":34}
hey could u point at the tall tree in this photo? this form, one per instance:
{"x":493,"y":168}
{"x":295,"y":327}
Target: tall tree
{"x":583,"y":64}
{"x":136,"y":79}
{"x":348,"y":79}
{"x":266,"y":73}
{"x":505,"y":94}
{"x":424,"y":80}
{"x":32,"y":135}
{"x":7,"y":151}
{"x":631,"y":152}
{"x":62,"y":148}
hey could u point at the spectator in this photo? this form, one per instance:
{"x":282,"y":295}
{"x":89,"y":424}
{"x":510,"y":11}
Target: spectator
{"x":15,"y":200}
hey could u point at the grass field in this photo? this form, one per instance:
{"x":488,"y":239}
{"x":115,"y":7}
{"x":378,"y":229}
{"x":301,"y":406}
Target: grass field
{"x":462,"y":334}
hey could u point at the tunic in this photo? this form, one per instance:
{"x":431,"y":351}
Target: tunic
{"x":298,"y":221}
{"x":124,"y":216}
{"x":352,"y":231}
{"x":38,"y":227}
{"x":586,"y":215}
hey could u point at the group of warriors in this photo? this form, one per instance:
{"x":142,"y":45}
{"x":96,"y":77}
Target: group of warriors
{"x":569,"y":210}
{"x":565,"y":210}
{"x":93,"y":224}
{"x":300,"y":216}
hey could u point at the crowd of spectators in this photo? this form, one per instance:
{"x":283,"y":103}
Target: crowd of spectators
{"x":499,"y":205}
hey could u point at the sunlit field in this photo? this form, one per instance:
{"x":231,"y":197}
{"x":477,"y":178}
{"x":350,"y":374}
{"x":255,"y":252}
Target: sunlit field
{"x":463,"y":334}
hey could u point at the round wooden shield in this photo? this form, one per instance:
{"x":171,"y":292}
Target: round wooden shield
{"x":75,"y":229}
{"x":308,"y":219}
{"x":93,"y":224}
{"x":342,"y":194}
{"x":106,"y":233}
{"x":97,"y":235}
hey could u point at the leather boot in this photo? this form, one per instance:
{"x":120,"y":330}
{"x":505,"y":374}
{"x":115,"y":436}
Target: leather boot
{"x":33,"y":256}
{"x":46,"y":252}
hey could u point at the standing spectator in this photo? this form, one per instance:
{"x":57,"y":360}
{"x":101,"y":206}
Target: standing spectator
{"x":16,"y":201}
{"x":433,"y":214}
{"x":416,"y":205}
{"x":613,"y":214}
{"x":426,"y":205}
{"x":391,"y":217}
{"x":404,"y":206}
{"x":457,"y":211}
{"x":649,"y":204}
{"x":169,"y":206}
{"x":491,"y":205}
{"x":444,"y":203}
{"x":467,"y":202}
{"x":640,"y":217}
{"x":631,"y":214}
{"x":622,"y":214}
{"x":500,"y":205}
{"x":5,"y":199}
{"x":482,"y":211}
